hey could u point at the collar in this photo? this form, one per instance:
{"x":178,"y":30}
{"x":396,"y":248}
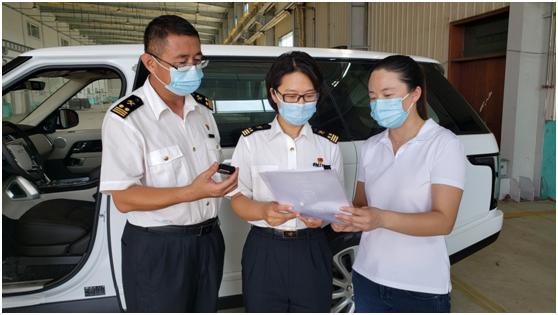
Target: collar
{"x":427,"y":130}
{"x":158,"y":106}
{"x":276,"y":129}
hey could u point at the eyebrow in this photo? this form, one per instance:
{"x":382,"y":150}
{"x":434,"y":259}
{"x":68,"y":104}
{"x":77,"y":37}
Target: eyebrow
{"x":383,"y":90}
{"x":307,"y":91}
{"x":186,"y":56}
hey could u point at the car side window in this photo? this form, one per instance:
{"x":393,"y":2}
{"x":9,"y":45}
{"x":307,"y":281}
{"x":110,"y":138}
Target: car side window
{"x":238,"y":91}
{"x":92,"y":102}
{"x":237,"y":88}
{"x":88,"y":91}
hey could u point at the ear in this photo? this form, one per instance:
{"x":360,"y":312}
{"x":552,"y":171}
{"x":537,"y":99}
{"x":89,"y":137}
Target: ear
{"x":148,"y":62}
{"x":415,"y":95}
{"x":274,"y":96}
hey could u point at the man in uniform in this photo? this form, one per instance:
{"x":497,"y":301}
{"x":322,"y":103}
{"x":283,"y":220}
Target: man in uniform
{"x":160,"y":154}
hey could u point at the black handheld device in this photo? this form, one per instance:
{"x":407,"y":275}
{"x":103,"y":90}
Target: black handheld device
{"x":226,"y":169}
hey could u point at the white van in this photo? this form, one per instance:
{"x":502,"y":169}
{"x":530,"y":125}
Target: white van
{"x":61,"y":239}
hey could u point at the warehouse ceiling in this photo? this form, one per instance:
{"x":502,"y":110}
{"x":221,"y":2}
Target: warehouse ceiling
{"x":123,"y":22}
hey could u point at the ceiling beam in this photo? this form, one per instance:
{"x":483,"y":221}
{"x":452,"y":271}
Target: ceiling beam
{"x":89,"y":32}
{"x":84,"y":15}
{"x":150,"y":12}
{"x":133,"y":28}
{"x":224,"y":5}
{"x":113,"y":24}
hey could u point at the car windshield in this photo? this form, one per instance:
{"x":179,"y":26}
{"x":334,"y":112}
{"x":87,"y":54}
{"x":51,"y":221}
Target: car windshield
{"x":21,"y":99}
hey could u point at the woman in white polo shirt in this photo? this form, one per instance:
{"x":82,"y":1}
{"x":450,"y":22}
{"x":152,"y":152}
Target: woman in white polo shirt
{"x":410,"y":182}
{"x":286,"y":261}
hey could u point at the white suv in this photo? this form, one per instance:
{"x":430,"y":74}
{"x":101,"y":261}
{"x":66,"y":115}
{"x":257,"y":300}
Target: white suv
{"x":61,"y":239}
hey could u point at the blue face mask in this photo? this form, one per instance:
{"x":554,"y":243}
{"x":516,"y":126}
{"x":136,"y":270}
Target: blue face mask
{"x":184,"y":80}
{"x":297,"y":114}
{"x":388,"y":112}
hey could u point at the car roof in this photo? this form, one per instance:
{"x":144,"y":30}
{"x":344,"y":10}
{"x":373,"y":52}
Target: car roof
{"x":212,"y":50}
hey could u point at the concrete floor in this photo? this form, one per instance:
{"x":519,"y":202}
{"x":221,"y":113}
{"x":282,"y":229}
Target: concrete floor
{"x":517,"y":273}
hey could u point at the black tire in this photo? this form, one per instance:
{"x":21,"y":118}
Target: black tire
{"x":344,"y":247}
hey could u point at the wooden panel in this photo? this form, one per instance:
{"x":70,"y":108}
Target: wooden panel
{"x":475,"y":80}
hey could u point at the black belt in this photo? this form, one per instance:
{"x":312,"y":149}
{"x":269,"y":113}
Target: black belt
{"x":194,"y":229}
{"x":288,"y":234}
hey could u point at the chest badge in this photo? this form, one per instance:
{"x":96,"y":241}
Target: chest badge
{"x":320,"y":163}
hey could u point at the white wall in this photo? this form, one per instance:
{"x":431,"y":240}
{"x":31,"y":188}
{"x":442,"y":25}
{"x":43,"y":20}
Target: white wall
{"x":15,"y":16}
{"x":524,"y":98}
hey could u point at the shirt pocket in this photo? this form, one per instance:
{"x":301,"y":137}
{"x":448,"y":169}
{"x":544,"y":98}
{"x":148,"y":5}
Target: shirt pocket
{"x":213,"y":150}
{"x":166,"y":166}
{"x":260,"y":192}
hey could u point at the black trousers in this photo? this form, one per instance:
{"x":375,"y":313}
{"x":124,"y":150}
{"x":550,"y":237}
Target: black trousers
{"x":172,"y":270}
{"x":286,"y":274}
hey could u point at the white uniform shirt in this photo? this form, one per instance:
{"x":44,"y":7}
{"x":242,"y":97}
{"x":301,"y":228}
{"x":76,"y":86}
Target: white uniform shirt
{"x":273,"y":149}
{"x":154,"y":147}
{"x":403,"y":183}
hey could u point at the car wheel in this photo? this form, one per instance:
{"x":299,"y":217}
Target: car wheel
{"x":344,"y":247}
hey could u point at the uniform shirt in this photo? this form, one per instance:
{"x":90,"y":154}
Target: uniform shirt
{"x":271,"y":150}
{"x":402,"y":183}
{"x":154,"y":147}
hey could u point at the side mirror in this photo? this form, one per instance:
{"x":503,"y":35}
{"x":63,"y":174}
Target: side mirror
{"x":67,"y":118}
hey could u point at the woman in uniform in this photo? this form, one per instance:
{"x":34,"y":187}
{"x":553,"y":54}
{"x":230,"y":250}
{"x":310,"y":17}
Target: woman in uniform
{"x":286,"y":261}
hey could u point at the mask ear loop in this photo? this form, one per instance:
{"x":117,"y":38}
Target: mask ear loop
{"x":413,"y":104}
{"x":156,"y":76}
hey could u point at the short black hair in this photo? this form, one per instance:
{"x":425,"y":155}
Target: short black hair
{"x":410,"y":73}
{"x":156,"y":32}
{"x":289,"y":62}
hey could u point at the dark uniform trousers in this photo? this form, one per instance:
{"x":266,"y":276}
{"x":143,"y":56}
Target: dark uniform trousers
{"x":286,"y":272}
{"x":172,"y":268}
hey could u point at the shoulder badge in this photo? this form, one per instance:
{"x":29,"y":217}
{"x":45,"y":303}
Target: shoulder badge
{"x":248,"y":131}
{"x":203,"y":100}
{"x":328,"y":135}
{"x":128,"y":105}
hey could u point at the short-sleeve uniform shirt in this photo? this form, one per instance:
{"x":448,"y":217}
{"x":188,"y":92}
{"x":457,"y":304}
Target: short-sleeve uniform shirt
{"x":402,"y":182}
{"x":152,"y":146}
{"x":269,"y":148}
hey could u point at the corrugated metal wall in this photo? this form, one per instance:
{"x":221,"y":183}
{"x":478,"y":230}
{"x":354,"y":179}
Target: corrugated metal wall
{"x":332,"y":24}
{"x":419,"y":28}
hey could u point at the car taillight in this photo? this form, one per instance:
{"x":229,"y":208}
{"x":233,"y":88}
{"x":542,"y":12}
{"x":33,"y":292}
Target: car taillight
{"x":492,"y":161}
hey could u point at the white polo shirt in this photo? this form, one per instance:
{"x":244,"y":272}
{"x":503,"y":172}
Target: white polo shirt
{"x":402,"y":182}
{"x":272,"y":149}
{"x":154,"y":147}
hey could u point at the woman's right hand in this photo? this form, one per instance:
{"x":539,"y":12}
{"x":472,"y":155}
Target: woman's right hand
{"x":276,"y":214}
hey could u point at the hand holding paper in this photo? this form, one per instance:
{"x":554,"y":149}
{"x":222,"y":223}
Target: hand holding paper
{"x":312,"y":193}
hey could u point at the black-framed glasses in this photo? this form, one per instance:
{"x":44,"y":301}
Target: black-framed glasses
{"x":200,"y":62}
{"x":294,"y":98}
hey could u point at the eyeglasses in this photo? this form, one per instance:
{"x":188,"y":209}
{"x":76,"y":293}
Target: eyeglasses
{"x":200,"y":62}
{"x":294,"y":98}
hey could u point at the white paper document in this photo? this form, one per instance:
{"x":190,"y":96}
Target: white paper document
{"x":317,"y":194}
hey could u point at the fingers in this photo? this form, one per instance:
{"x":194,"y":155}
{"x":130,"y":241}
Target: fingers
{"x":311,"y":222}
{"x":211,"y":170}
{"x":283,"y":207}
{"x":344,"y":218}
{"x":343,"y":227}
{"x":353,"y":210}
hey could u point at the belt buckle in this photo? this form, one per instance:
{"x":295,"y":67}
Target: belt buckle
{"x":290,"y":233}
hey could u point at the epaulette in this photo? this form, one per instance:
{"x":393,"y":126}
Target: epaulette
{"x":204,"y":100}
{"x":248,"y":131}
{"x":328,"y":135}
{"x":128,"y":105}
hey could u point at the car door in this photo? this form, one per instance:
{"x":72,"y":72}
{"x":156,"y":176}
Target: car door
{"x":77,"y":151}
